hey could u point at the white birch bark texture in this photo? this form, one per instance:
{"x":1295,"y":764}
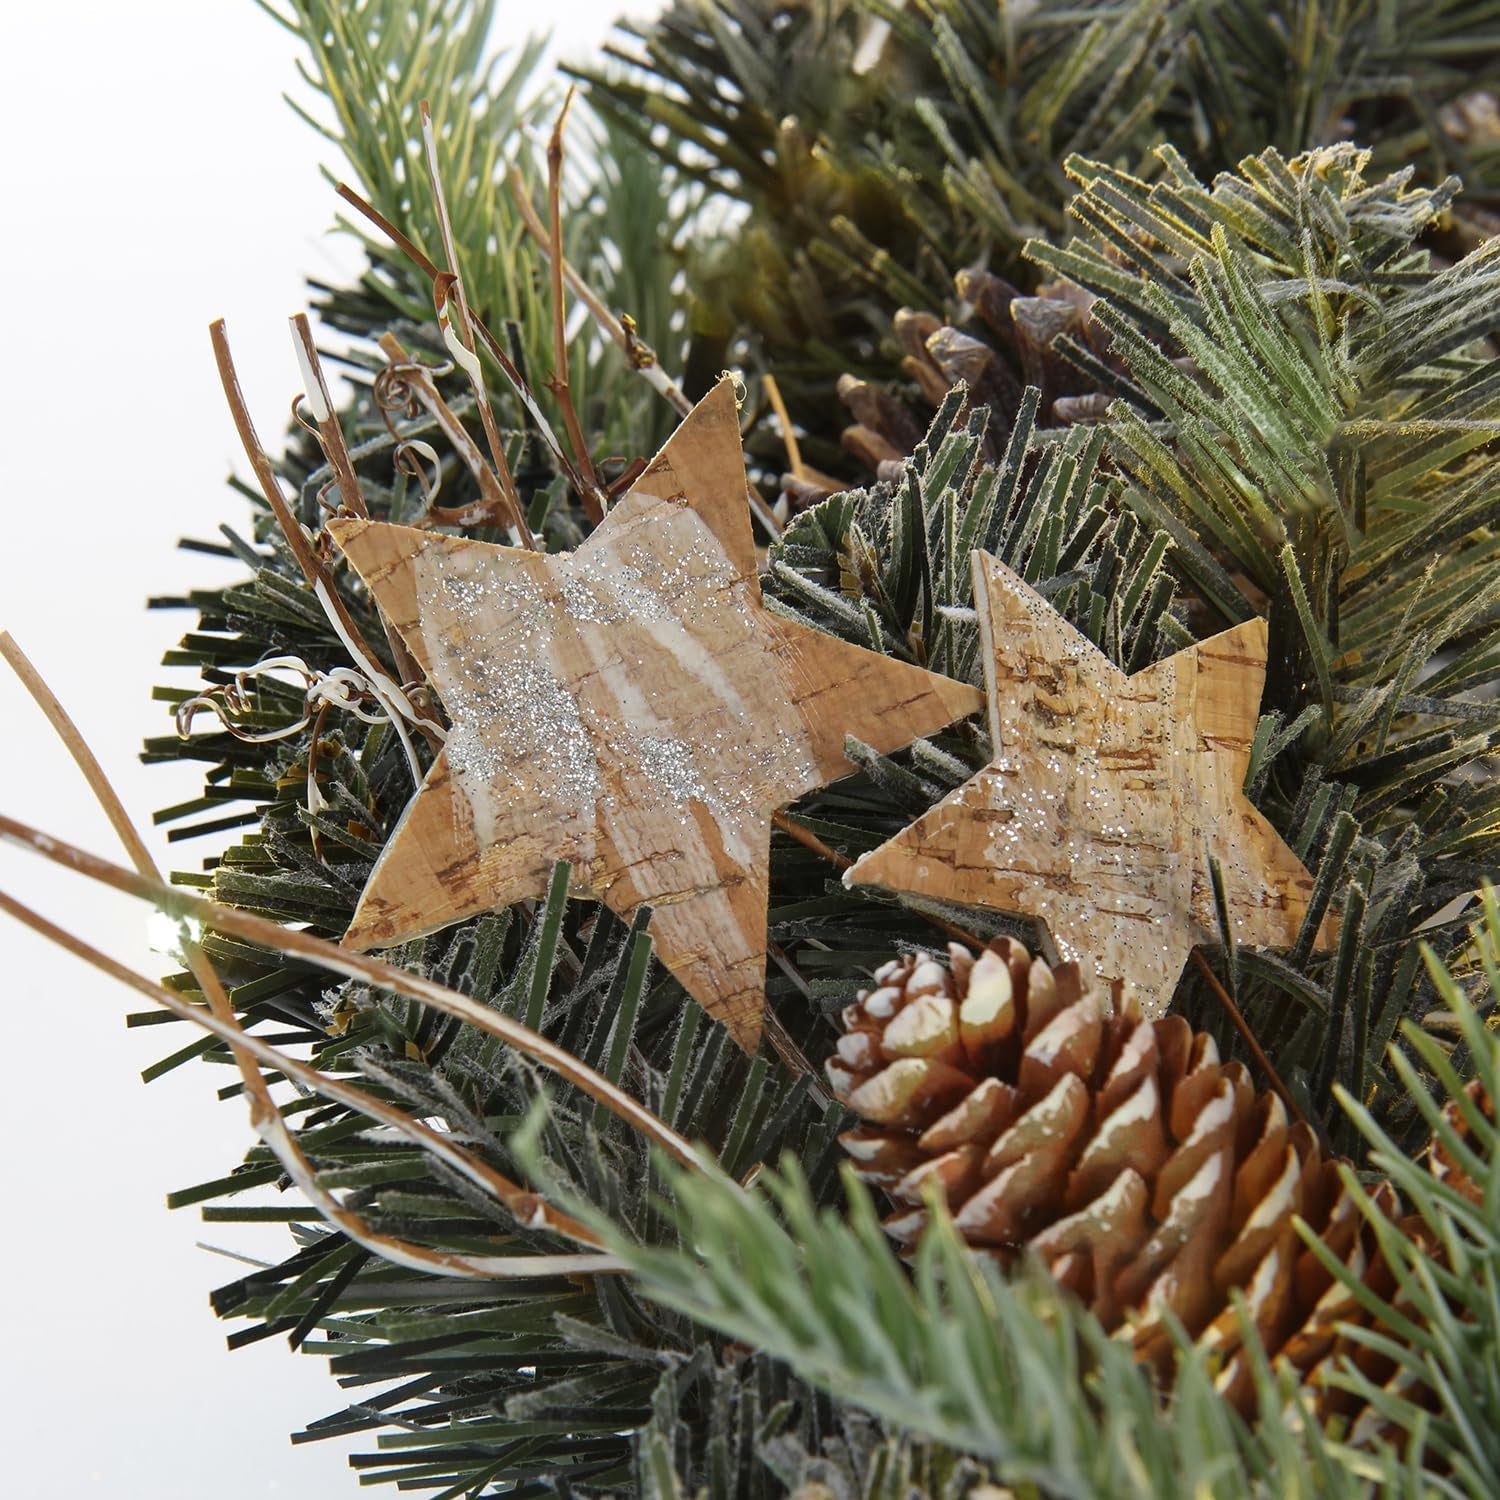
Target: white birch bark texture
{"x":1107,"y":796}
{"x":632,"y":707}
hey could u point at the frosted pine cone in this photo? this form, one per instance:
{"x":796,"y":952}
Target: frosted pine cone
{"x":1148,"y":1175}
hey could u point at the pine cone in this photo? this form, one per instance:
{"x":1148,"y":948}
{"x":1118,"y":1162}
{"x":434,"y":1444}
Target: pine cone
{"x":1146,"y":1173}
{"x":1006,"y":342}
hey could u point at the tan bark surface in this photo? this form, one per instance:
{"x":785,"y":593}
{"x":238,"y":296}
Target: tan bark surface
{"x":632,"y":707}
{"x":1106,"y":798}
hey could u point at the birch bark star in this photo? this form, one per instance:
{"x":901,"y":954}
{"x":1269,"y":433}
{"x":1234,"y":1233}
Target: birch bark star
{"x":632,"y":707}
{"x":1108,"y":795}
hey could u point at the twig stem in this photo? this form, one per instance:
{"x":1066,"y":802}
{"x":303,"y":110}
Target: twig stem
{"x":76,"y":746}
{"x":497,"y":353}
{"x":638,"y":352}
{"x":296,"y":943}
{"x":384,"y":225}
{"x":424,"y":388}
{"x":1252,"y":1042}
{"x":291,"y":528}
{"x":809,"y":840}
{"x":250,"y":1051}
{"x":530,"y":1209}
{"x":330,"y":433}
{"x":450,"y":289}
{"x":262,"y":1107}
{"x":351,"y":496}
{"x":784,"y":417}
{"x":592,"y":497}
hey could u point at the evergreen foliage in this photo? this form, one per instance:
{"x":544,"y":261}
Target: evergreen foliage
{"x":370,"y":65}
{"x":1304,"y":427}
{"x":1310,"y":415}
{"x":538,"y":1380}
{"x":879,"y":147}
{"x":928,"y":1351}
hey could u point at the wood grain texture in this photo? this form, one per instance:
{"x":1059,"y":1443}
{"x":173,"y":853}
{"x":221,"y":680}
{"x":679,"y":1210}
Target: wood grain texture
{"x":631,"y":707}
{"x":1106,"y":798}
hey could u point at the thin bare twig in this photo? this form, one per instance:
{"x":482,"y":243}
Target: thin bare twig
{"x":809,"y":840}
{"x":1252,"y":1043}
{"x":297,"y":538}
{"x":492,"y":344}
{"x":448,"y":289}
{"x":384,"y":225}
{"x":265,"y":1117}
{"x":782,"y":1042}
{"x":530,"y":1209}
{"x":784,"y":417}
{"x":320,"y":403}
{"x":336,"y":450}
{"x":593,"y":499}
{"x":295,"y":943}
{"x":76,"y":746}
{"x":291,"y":528}
{"x":423,"y":387}
{"x":638,"y":352}
{"x":248,"y":1051}
{"x":261,"y":1104}
{"x":273,"y":1130}
{"x":640,"y":355}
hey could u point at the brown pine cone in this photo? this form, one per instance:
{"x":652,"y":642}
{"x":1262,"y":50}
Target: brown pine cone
{"x":1148,"y":1175}
{"x":1005,"y":344}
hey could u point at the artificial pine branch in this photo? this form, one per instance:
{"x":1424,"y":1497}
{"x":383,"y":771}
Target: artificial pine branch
{"x":1317,"y":438}
{"x":878,"y":149}
{"x":928,"y":1352}
{"x":590,"y":1385}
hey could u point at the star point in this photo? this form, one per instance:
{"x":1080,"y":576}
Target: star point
{"x":631,"y":707}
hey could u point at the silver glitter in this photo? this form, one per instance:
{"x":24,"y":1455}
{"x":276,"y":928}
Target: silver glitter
{"x":565,"y":681}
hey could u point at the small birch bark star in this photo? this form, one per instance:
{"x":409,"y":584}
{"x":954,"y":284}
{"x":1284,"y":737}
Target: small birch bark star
{"x":632,"y":707}
{"x":1106,"y":798}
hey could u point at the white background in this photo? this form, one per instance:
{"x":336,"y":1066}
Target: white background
{"x":154,"y":180}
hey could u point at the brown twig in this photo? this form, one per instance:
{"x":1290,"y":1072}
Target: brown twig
{"x":638,"y":352}
{"x":423,"y":387}
{"x":449,"y":288}
{"x":291,"y":527}
{"x":320,"y":403}
{"x":296,"y":536}
{"x":336,"y":451}
{"x":1252,"y":1043}
{"x":293,"y":942}
{"x":389,"y":230}
{"x":265,"y":1117}
{"x":784,"y":417}
{"x":593,"y":500}
{"x":492,"y":344}
{"x":249,"y":1051}
{"x":531,"y":1210}
{"x":799,"y":468}
{"x":809,"y":840}
{"x":261,"y":1104}
{"x":783,"y":1044}
{"x":76,"y":746}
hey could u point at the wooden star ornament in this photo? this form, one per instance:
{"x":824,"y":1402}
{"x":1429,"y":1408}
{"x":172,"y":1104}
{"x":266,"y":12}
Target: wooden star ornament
{"x":1107,"y":796}
{"x":632,"y":707}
